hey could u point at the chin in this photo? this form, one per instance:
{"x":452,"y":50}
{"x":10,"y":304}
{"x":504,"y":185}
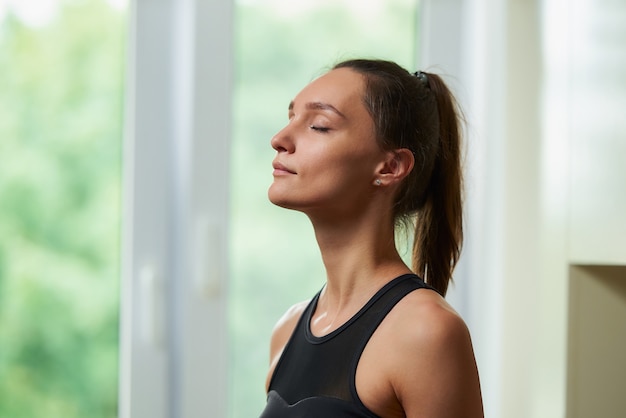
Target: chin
{"x":283,"y":201}
{"x":277,"y":198}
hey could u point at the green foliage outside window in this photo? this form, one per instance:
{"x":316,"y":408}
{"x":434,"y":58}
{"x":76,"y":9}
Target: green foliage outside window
{"x":60,"y":140}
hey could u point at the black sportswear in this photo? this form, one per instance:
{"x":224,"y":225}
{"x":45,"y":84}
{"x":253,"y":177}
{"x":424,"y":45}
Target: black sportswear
{"x":315,"y":376}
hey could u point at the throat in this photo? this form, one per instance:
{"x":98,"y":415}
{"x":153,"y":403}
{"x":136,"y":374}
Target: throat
{"x":341,"y":299}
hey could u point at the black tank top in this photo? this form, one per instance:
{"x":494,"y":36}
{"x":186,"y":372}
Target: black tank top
{"x":315,"y":376}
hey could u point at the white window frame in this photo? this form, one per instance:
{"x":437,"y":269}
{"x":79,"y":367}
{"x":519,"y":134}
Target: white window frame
{"x":465,"y":41}
{"x":175,"y":216}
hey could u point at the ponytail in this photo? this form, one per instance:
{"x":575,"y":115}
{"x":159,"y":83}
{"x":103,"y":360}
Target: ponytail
{"x":439,"y":222}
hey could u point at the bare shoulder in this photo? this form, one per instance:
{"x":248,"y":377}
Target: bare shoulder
{"x":285,"y":326}
{"x":435,"y":371}
{"x":282,"y":332}
{"x":430,"y":320}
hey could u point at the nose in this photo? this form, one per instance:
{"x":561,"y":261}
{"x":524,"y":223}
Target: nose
{"x":283,"y":141}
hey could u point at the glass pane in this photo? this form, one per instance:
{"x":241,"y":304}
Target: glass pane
{"x":61,"y":74}
{"x":281,"y":46}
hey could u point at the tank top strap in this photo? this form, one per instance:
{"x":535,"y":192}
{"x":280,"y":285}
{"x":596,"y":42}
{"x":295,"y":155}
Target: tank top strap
{"x":376,"y":311}
{"x":373,"y":312}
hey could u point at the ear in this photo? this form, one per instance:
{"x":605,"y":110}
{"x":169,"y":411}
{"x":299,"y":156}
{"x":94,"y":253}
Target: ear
{"x":396,"y":166}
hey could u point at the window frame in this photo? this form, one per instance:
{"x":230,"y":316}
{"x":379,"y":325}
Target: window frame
{"x":173,"y":332}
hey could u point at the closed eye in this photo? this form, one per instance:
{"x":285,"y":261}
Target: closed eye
{"x":321,"y":129}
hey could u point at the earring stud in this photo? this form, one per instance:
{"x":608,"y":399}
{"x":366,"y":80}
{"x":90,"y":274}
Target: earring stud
{"x":378,"y":182}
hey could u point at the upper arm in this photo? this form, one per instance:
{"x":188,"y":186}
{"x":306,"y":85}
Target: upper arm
{"x":436,"y":374}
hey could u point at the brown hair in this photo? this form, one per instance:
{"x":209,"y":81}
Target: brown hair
{"x":418,"y":112}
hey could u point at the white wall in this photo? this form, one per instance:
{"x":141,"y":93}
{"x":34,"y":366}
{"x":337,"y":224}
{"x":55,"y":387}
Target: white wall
{"x":543,"y":86}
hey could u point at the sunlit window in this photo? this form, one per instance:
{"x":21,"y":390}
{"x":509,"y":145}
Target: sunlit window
{"x":61,"y":76}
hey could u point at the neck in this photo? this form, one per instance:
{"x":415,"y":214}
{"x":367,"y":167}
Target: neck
{"x":359,"y":255}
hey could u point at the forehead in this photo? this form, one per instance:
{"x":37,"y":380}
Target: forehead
{"x":341,"y":88}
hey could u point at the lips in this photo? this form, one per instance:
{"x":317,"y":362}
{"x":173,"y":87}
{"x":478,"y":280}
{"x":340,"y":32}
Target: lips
{"x":279,"y":168}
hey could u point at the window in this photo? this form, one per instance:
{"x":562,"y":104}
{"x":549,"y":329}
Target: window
{"x":62,"y":73}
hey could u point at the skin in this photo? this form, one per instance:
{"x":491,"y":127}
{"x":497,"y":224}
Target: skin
{"x":420,"y":361}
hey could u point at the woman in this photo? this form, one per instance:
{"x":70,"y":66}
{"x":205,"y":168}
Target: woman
{"x":370,"y":146}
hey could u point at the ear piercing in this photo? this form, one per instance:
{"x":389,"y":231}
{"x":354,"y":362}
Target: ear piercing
{"x":378,"y":182}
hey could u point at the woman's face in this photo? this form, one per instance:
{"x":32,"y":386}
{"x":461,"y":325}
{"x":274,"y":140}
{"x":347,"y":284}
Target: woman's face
{"x":327,"y":154}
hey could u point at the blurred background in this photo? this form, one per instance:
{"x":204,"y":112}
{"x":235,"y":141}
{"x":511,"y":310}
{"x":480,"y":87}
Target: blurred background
{"x":142,"y":268}
{"x":61,"y":99}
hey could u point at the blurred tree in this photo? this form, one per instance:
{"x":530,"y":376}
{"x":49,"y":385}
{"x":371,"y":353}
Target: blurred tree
{"x":60,"y":141}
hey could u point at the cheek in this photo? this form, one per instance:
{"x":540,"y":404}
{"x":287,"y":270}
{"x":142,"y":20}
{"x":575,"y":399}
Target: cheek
{"x":342,"y":168}
{"x":326,"y":161}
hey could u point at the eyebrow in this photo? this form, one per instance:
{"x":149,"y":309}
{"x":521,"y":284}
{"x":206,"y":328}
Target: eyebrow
{"x":320,"y":106}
